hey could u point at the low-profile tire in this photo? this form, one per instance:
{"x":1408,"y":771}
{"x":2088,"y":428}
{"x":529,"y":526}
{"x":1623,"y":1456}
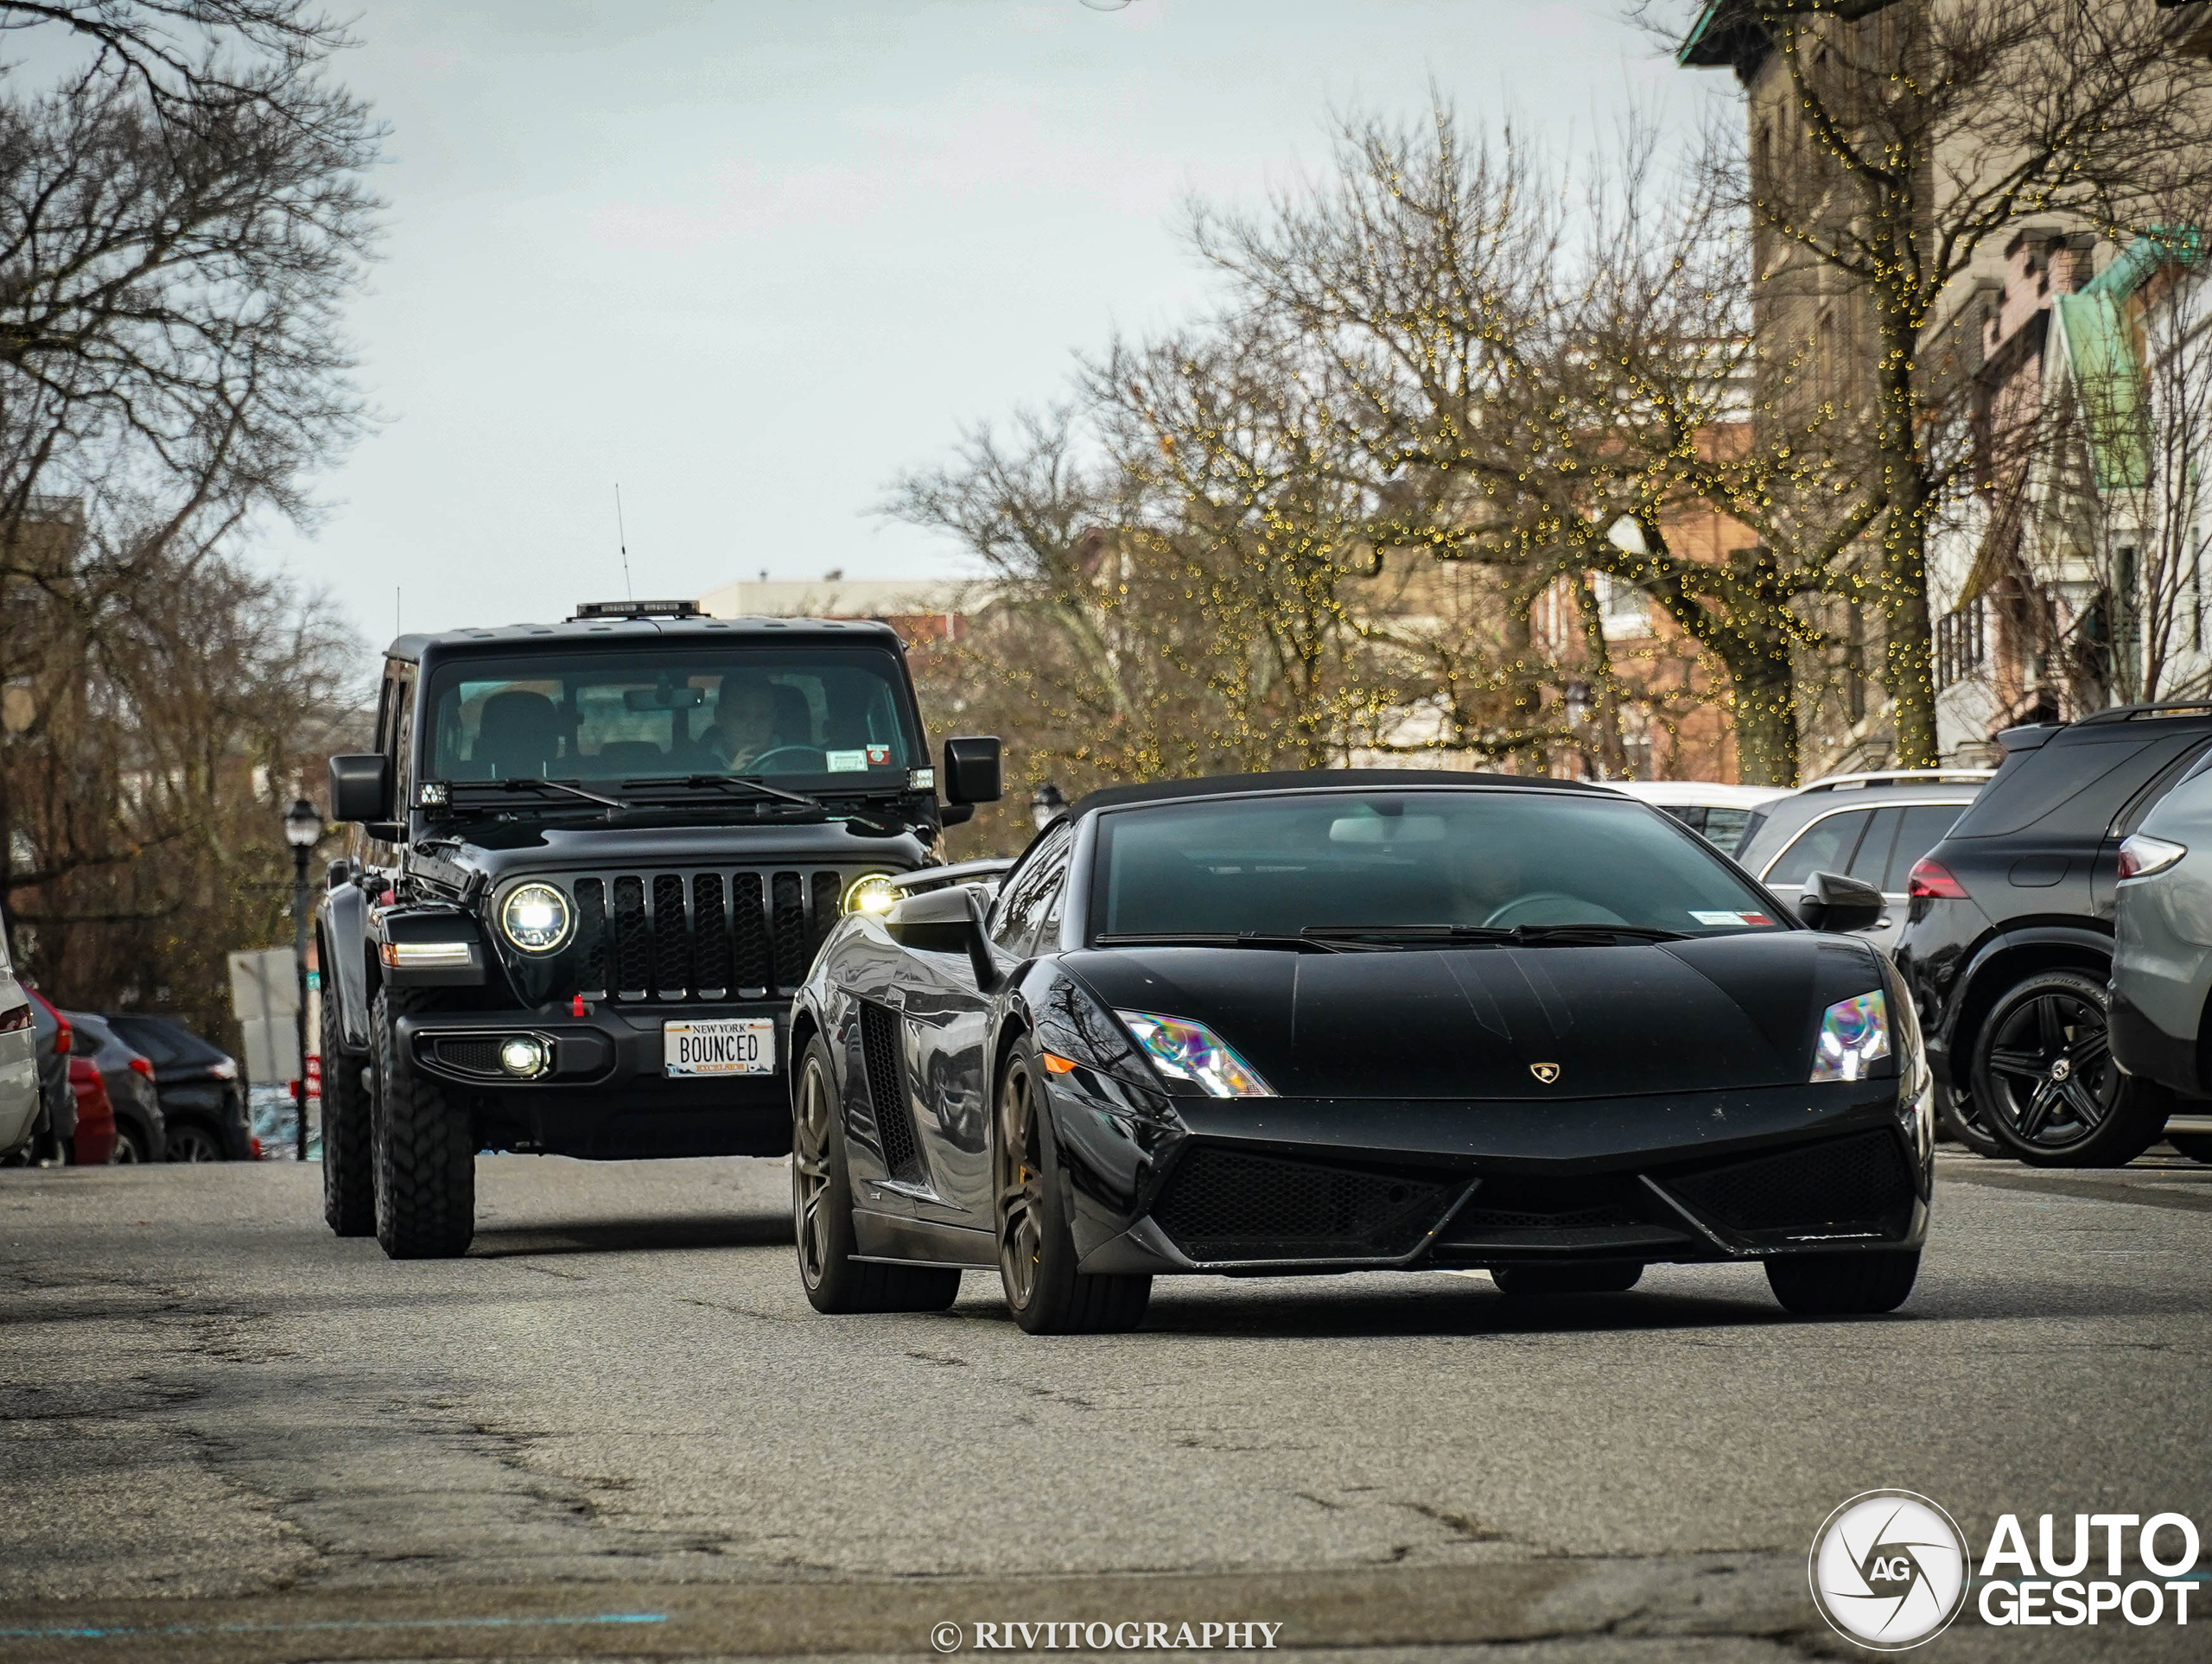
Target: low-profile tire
{"x":2044,"y":1083}
{"x":1036,"y":1258}
{"x":193,"y":1140}
{"x":1957,"y":1119}
{"x":425,"y":1154}
{"x":349,"y":1187}
{"x":822,"y":1211}
{"x":1602,"y":1277}
{"x":2197,"y":1147}
{"x":1844,"y":1285}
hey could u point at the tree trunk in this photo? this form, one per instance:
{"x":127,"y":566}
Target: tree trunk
{"x":1908,"y":648}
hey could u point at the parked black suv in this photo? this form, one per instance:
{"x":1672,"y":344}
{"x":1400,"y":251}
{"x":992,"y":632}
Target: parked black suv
{"x":202,"y":1103}
{"x":593,"y":861}
{"x":2008,"y":943}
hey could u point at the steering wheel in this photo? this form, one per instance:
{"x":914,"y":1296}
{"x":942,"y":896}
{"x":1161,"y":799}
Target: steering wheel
{"x":789,"y":759}
{"x":1579,"y":910}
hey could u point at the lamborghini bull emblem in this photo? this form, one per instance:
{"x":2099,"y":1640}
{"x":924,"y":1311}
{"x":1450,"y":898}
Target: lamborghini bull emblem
{"x":1545,"y":1072}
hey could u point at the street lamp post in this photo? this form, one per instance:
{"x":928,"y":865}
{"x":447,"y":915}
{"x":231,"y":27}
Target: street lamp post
{"x":1045,"y":804}
{"x":302,"y":830}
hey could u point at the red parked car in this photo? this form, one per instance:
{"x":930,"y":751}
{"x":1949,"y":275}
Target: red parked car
{"x":93,"y":1143}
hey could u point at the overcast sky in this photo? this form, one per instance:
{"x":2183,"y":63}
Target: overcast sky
{"x":751,"y":259}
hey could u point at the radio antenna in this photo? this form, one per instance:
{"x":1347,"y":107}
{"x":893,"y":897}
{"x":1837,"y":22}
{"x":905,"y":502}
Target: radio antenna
{"x":622,"y":540}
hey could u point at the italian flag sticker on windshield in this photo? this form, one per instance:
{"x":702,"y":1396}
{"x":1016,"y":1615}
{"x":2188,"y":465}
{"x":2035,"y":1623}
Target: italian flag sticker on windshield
{"x":844,"y":762}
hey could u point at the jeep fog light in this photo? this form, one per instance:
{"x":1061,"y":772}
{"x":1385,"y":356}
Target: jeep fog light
{"x":523,"y":1055}
{"x":535,"y":917}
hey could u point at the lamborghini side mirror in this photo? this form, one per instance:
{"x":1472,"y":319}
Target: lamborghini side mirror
{"x":1833,"y":901}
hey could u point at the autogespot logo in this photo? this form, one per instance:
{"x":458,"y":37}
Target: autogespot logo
{"x":1888,"y":1570}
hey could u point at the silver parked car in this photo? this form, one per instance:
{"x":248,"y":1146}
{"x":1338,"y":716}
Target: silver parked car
{"x":19,"y":1078}
{"x":2162,"y":954}
{"x":1719,"y":814}
{"x":1873,"y":828}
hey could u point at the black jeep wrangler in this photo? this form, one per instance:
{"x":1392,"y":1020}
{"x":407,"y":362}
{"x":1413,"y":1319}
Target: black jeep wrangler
{"x":592,"y":861}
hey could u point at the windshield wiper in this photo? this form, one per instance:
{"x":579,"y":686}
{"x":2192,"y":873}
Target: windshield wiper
{"x":1299,"y":943}
{"x":738,"y":782}
{"x":1512,"y":935}
{"x":524,"y":783}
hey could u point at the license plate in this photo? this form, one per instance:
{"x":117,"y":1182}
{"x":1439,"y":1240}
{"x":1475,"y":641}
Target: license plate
{"x":720,"y":1046}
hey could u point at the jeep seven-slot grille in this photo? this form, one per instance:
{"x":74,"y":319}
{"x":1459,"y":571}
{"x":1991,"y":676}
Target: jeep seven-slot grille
{"x":703,"y":935}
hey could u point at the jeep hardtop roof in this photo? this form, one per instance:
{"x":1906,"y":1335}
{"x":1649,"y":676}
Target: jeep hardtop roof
{"x":616,"y":633}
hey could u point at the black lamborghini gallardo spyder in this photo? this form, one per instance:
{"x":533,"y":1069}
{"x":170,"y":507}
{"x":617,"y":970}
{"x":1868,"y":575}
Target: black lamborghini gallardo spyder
{"x":1292,"y":1023}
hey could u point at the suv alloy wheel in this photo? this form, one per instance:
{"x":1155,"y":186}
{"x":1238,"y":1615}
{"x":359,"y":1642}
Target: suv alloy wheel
{"x":2046,"y":1084}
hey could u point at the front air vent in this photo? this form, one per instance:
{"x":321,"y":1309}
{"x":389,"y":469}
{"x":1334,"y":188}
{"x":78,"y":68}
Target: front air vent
{"x":1839,"y":1186}
{"x":1221,"y":1206}
{"x":886,"y":1092}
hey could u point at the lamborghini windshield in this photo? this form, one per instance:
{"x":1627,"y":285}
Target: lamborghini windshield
{"x":1396,"y":863}
{"x":696,"y":709}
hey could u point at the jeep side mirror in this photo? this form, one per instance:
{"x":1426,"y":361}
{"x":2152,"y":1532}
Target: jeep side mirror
{"x":360,"y":787}
{"x":971,"y":769}
{"x":1833,"y":901}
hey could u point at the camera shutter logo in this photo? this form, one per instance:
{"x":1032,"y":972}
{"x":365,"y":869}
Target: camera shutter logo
{"x":1888,"y":1570}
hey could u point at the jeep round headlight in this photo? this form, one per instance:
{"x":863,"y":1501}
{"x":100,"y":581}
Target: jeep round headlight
{"x":536,"y":917}
{"x":874,"y":893}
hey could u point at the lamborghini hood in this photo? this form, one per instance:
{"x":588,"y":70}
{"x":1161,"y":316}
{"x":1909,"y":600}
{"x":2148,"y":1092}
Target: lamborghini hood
{"x":1706,"y":1014}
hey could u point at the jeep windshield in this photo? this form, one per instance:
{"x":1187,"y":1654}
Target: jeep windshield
{"x":702,"y":714}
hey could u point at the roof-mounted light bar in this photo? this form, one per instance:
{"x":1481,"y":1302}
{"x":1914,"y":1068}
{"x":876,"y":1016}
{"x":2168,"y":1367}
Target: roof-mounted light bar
{"x":635,"y":609}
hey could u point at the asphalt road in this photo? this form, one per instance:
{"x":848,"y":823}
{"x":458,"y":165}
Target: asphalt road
{"x":617,"y":1430}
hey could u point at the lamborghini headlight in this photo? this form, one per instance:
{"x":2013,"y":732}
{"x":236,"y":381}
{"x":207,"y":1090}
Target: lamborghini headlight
{"x":1190,"y":1051}
{"x":536,"y":917}
{"x":872,"y":892}
{"x":1854,"y":1036}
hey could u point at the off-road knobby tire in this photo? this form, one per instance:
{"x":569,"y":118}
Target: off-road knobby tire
{"x":822,"y":1211}
{"x":349,"y":1181}
{"x":1536,"y":1281}
{"x":1844,"y":1285}
{"x":1031,"y":1211}
{"x":425,"y":1153}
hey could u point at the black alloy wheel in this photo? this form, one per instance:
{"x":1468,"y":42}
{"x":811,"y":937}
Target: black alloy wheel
{"x":349,"y":1190}
{"x":424,"y":1148}
{"x":192,"y":1140}
{"x":2045,"y":1083}
{"x":130,"y":1146}
{"x":1036,"y":1258}
{"x":1601,"y":1276}
{"x":2197,"y":1147}
{"x":1844,"y":1285}
{"x":822,"y":1211}
{"x":1957,"y":1119}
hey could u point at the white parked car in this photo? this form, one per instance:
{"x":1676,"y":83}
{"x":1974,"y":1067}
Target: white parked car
{"x":1718,"y":812}
{"x":19,"y":1088}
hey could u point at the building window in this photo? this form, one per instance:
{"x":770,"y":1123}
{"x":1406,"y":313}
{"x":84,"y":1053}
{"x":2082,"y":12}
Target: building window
{"x":1959,"y":644}
{"x":1623,"y":609}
